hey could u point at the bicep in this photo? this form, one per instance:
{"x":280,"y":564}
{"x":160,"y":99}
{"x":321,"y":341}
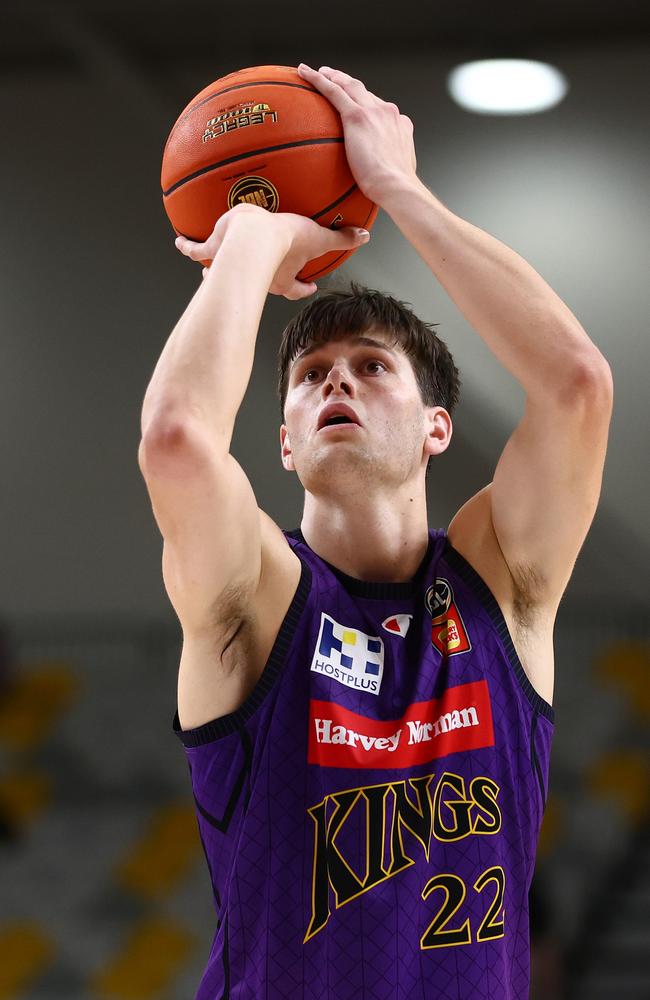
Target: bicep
{"x":207,"y":513}
{"x":547,"y":484}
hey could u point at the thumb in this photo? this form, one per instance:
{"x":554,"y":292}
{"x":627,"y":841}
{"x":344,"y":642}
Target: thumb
{"x":346,"y":237}
{"x":300,"y":290}
{"x":356,"y":234}
{"x":189,"y":248}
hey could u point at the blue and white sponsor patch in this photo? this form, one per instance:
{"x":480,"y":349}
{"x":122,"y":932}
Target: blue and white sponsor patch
{"x":349,"y":656}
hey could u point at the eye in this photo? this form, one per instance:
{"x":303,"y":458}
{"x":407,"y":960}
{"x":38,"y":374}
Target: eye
{"x":315,"y":371}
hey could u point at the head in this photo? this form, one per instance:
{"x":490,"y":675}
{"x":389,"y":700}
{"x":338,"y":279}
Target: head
{"x":410,"y":401}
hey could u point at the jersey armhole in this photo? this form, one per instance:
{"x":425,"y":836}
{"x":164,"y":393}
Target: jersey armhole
{"x":234,"y":721}
{"x":465,"y":570}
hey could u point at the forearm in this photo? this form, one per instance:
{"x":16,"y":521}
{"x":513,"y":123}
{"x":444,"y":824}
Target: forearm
{"x":526,"y":325}
{"x":205,"y":366}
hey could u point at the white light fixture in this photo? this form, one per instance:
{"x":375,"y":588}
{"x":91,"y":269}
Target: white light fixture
{"x":507,"y":86}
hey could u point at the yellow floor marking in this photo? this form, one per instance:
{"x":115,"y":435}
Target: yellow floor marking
{"x":30,"y":707}
{"x":627,"y":665}
{"x":151,"y":958}
{"x":165,"y":855}
{"x":25,"y":951}
{"x":624,"y":776}
{"x":24,"y":794}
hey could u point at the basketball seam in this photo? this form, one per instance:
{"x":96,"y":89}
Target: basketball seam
{"x":245,"y":156}
{"x":328,"y":208}
{"x":315,"y":274}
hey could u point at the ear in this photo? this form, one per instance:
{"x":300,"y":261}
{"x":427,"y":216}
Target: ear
{"x":285,"y":448}
{"x":438,"y":430}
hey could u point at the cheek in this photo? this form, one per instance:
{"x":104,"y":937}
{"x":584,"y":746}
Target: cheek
{"x":403,"y":421}
{"x":297,"y":423}
{"x":399,"y":410}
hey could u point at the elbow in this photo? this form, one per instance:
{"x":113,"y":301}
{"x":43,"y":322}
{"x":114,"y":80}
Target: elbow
{"x":166,"y":449}
{"x":590,"y":381}
{"x":179,"y":447}
{"x":595,"y":377}
{"x":168,"y":436}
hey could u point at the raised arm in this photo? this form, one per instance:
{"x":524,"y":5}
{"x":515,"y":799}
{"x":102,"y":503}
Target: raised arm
{"x":547,"y":482}
{"x":219,"y":548}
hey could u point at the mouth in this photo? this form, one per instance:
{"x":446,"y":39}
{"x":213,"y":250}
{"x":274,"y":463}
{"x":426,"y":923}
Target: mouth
{"x":337,"y":415}
{"x":341,"y":425}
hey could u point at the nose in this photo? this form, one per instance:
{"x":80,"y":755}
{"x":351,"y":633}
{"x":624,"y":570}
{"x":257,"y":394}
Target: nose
{"x":338,"y":380}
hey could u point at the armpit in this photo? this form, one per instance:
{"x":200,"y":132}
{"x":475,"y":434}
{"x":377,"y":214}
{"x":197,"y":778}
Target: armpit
{"x":529,"y":587}
{"x":229,"y":613}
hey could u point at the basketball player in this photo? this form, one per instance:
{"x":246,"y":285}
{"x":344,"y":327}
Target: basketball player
{"x":365,"y":703}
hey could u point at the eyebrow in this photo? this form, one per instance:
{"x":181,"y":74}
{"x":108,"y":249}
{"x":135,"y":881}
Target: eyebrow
{"x":362,"y":341}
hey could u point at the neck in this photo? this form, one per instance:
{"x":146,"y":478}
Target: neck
{"x":376,"y":538}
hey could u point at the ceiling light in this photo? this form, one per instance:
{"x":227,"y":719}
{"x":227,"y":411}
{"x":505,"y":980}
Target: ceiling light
{"x":506,"y":86}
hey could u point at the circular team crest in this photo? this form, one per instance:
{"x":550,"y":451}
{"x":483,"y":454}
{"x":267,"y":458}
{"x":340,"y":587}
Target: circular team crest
{"x":438,"y":599}
{"x":254,"y":191}
{"x":448,"y":632}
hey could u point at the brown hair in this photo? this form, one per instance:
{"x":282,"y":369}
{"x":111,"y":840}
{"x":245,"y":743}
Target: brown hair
{"x":338,"y":314}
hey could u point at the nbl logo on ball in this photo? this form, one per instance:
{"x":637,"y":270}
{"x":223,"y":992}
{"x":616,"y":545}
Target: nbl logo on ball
{"x":254,"y":191}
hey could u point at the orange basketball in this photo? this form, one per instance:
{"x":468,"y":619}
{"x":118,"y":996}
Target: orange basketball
{"x":265,"y":136}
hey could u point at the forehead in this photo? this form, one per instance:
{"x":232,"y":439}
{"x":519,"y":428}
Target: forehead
{"x":373,"y":338}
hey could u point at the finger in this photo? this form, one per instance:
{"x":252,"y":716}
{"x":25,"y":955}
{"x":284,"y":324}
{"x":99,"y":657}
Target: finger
{"x":355,"y":88}
{"x":346,"y":238}
{"x":352,"y":236}
{"x":300,"y":290}
{"x":334,"y":93}
{"x":190,"y":249}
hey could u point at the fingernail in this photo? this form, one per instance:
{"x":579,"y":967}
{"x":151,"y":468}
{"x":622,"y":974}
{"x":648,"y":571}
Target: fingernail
{"x":363,"y":234}
{"x":304,"y":66}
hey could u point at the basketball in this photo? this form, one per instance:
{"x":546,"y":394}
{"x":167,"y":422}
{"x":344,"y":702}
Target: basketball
{"x":265,"y":136}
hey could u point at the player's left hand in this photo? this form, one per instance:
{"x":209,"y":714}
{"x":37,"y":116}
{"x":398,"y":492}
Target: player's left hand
{"x":378,"y":139}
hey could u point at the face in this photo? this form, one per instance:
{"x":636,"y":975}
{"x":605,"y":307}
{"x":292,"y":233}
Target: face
{"x":392,"y":440}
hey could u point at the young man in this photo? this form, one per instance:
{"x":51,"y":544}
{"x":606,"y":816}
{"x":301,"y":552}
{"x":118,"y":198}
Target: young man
{"x":366,"y":704}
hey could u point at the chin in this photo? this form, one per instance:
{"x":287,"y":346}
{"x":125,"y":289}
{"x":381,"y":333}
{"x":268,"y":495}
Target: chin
{"x":333,"y":470}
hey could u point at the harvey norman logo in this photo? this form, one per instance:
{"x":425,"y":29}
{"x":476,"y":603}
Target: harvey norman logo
{"x":460,"y":720}
{"x":349,"y":656}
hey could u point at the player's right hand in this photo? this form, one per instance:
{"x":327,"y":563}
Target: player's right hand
{"x":309,"y":241}
{"x":300,"y":238}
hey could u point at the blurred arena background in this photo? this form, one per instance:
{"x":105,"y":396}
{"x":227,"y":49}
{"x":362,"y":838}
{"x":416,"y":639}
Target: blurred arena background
{"x":103,"y":889}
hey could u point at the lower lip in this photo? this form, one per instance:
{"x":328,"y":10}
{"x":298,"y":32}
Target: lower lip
{"x":339,"y":427}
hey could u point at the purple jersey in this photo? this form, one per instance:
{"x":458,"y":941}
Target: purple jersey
{"x":370,"y":814}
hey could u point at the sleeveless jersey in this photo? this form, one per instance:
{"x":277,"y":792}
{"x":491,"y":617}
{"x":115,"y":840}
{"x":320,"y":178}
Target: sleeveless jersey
{"x":370,"y":814}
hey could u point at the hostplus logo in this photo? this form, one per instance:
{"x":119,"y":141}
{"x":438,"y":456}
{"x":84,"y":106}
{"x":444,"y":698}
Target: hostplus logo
{"x":349,"y":656}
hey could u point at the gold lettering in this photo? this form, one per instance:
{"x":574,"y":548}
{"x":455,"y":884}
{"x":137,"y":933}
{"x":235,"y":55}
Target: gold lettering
{"x":465,"y":813}
{"x":459,"y":807}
